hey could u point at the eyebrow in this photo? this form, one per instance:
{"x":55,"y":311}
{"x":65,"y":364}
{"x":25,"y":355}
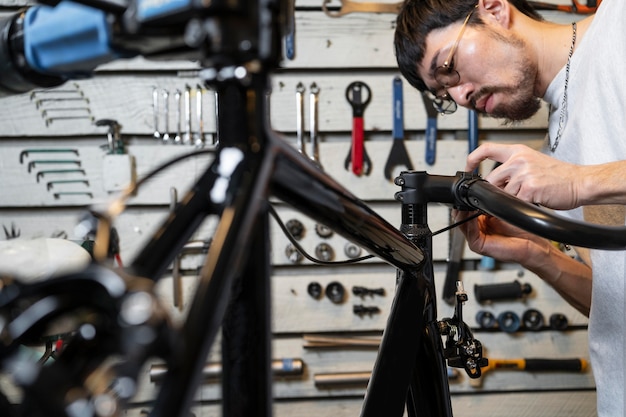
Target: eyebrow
{"x":433,"y":65}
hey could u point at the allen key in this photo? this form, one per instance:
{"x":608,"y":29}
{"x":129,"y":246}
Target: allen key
{"x":41,"y":174}
{"x":62,"y":193}
{"x":32,"y":164}
{"x":49,"y":120}
{"x":25,"y":152}
{"x":50,"y":184}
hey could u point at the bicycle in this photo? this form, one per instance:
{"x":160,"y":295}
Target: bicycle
{"x":120,"y":325}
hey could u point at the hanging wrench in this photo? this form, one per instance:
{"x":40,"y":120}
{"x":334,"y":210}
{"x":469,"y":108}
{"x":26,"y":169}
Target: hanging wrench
{"x":187,"y":135}
{"x":398,"y":155}
{"x":177,"y":138}
{"x":155,"y":110}
{"x":166,"y":114}
{"x":357,"y":155}
{"x":200,"y":138}
{"x":300,"y":117}
{"x":348,"y":6}
{"x":431,"y":130}
{"x":313,"y":109}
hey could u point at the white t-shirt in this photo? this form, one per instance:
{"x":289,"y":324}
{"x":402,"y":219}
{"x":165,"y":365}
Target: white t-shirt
{"x":595,"y":133}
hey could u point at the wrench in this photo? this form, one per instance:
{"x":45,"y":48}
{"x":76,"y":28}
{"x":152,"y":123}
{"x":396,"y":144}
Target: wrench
{"x":300,"y":117}
{"x":313,"y":116}
{"x":166,"y":114}
{"x":357,"y":155}
{"x":155,"y":110}
{"x":187,"y":135}
{"x":348,"y":6}
{"x":431,"y":130}
{"x":200,"y":138}
{"x":398,"y":154}
{"x":177,"y":138}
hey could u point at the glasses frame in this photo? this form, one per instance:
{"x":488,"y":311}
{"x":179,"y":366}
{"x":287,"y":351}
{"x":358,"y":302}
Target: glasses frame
{"x":443,"y":103}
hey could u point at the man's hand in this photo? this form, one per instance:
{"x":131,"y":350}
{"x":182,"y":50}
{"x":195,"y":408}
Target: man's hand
{"x":530,"y":175}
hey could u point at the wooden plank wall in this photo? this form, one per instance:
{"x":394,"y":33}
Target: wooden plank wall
{"x":330,"y":52}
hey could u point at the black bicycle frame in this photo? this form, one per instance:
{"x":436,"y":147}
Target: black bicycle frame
{"x":233,"y":292}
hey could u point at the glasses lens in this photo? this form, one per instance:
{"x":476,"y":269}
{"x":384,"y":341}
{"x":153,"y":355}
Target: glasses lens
{"x":444,"y":105}
{"x":447,"y":76}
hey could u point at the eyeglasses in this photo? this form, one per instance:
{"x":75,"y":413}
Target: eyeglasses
{"x":447,"y":77}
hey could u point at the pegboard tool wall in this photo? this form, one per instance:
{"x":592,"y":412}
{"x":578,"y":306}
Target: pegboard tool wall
{"x":44,"y":192}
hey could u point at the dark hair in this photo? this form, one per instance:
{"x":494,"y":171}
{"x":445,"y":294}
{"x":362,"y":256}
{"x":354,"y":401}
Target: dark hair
{"x":417,"y":18}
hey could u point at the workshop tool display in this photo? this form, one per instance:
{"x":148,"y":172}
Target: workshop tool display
{"x":357,"y":157}
{"x":348,"y":6}
{"x":398,"y":155}
{"x":430,"y":135}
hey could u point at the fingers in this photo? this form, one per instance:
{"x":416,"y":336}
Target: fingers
{"x":492,"y":151}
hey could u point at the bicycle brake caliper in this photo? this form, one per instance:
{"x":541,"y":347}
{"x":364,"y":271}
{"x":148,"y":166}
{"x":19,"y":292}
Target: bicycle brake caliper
{"x":461,"y":349}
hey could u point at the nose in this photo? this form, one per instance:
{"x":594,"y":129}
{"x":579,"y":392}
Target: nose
{"x":461,"y":94}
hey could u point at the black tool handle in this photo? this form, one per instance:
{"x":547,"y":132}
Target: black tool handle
{"x":505,"y":291}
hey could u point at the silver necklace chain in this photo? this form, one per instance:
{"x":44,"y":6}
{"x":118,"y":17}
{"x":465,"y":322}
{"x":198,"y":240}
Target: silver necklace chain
{"x":559,"y":132}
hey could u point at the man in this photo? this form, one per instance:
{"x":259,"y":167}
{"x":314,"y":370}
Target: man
{"x":500,"y":59}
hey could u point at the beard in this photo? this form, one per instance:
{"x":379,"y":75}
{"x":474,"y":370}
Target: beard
{"x":522,"y":104}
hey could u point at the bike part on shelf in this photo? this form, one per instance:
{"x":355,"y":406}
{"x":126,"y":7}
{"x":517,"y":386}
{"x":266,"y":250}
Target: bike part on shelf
{"x":336,"y":292}
{"x":502,"y":291}
{"x":486,"y":319}
{"x":314,"y":289}
{"x":558,"y":321}
{"x":532,"y":319}
{"x":509,"y":321}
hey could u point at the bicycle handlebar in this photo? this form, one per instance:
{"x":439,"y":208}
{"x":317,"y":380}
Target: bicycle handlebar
{"x":482,"y":195}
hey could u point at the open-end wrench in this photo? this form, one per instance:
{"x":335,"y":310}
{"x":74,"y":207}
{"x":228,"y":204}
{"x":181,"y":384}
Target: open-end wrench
{"x":398,"y":154}
{"x":431,"y":129}
{"x":300,"y":117}
{"x":200,"y":137}
{"x":348,"y":6}
{"x":357,"y":156}
{"x":313,"y":119}
{"x":177,"y":138}
{"x":166,"y":115}
{"x":187,"y":135}
{"x":155,"y":110}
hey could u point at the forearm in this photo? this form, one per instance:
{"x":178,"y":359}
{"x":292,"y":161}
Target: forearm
{"x":603,"y":184}
{"x":571,"y":278}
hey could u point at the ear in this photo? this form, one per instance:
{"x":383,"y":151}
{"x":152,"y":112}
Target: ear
{"x":496,"y":11}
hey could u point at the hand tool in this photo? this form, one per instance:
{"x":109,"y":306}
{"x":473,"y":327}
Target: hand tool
{"x":166,"y":116}
{"x":315,"y":290}
{"x":532,"y":365}
{"x":532,"y":319}
{"x":47,"y":112}
{"x":26,"y":152}
{"x":314,"y":92}
{"x":398,"y":154}
{"x":213,"y":370}
{"x":13,"y":233}
{"x":62,"y":193}
{"x":200,"y":137}
{"x":509,"y":322}
{"x":364,"y":291}
{"x":290,"y":30}
{"x":348,"y":6}
{"x":327,"y":380}
{"x":361,"y":310}
{"x":32,"y":164}
{"x":457,"y":239}
{"x":187,"y":135}
{"x":40,"y":174}
{"x":50,"y":184}
{"x":49,"y":120}
{"x":558,"y":321}
{"x":300,"y":117}
{"x":502,"y":291}
{"x":431,"y":129}
{"x":41,"y":101}
{"x":177,"y":138}
{"x":155,"y":112}
{"x":357,"y":155}
{"x":575,"y":7}
{"x":320,"y":341}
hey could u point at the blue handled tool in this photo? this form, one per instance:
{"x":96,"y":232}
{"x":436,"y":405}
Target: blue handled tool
{"x":431,"y":129}
{"x":398,"y":154}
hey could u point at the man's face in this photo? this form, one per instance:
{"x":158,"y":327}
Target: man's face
{"x":497,"y":76}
